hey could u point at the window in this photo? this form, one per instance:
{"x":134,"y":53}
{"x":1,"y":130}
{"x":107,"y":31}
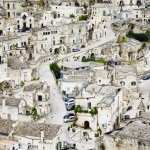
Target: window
{"x":71,"y":31}
{"x":18,"y":21}
{"x":30,"y":20}
{"x":79,"y":30}
{"x":122,"y":83}
{"x":39,"y":97}
{"x":73,"y":41}
{"x":48,"y":33}
{"x":9,"y":116}
{"x":8,"y":6}
{"x":43,"y":33}
{"x":53,"y":42}
{"x":133,"y":83}
{"x":89,"y":105}
{"x":8,"y":14}
{"x":30,"y":26}
{"x":41,"y":45}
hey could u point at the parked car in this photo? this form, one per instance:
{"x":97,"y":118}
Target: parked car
{"x":70,"y":104}
{"x":68,"y":98}
{"x":76,"y":50}
{"x":146,"y":77}
{"x":69,"y":117}
{"x":24,"y":30}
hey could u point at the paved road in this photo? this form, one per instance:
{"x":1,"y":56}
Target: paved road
{"x":56,"y":103}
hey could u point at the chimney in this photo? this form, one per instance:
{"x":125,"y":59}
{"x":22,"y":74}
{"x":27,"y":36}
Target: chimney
{"x":42,"y":136}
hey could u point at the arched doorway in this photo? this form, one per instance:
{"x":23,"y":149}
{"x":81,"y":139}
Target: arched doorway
{"x":92,"y":55}
{"x":56,"y":51}
{"x":30,"y":56}
{"x":83,"y":58}
{"x":86,"y":125}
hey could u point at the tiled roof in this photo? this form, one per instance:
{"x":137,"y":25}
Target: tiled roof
{"x":34,"y":129}
{"x":10,"y":101}
{"x":6,"y":126}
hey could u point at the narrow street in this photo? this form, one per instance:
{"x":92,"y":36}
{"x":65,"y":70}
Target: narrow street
{"x":56,"y":103}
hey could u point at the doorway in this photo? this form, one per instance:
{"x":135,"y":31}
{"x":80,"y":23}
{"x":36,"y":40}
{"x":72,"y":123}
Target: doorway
{"x":24,"y":25}
{"x":86,"y":125}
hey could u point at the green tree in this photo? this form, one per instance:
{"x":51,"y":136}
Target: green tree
{"x":56,"y":70}
{"x":34,"y":114}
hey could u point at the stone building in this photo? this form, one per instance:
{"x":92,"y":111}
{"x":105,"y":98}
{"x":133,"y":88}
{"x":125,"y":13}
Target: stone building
{"x":133,"y":136}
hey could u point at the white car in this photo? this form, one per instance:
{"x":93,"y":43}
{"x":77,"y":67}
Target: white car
{"x":70,"y":102}
{"x":70,"y":117}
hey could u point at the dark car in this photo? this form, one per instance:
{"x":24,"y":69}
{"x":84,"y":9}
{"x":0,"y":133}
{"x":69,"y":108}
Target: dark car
{"x":76,"y":50}
{"x":24,"y":30}
{"x":147,"y":77}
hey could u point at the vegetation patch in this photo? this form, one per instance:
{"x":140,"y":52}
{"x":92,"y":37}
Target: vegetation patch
{"x":56,"y":70}
{"x":102,"y":61}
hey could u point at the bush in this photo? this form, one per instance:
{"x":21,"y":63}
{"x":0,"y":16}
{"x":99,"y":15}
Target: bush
{"x":85,"y":133}
{"x":68,"y":128}
{"x":142,"y":37}
{"x":73,"y":130}
{"x":95,"y":60}
{"x":96,"y":134}
{"x":74,"y":124}
{"x":77,"y":109}
{"x":72,"y":16}
{"x":22,"y":83}
{"x":83,"y":17}
{"x":56,"y":70}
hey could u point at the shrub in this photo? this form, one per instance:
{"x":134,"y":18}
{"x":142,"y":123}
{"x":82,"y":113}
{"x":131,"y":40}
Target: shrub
{"x":102,"y":146}
{"x":85,"y":133}
{"x":73,"y":130}
{"x":99,"y":130}
{"x":68,"y":128}
{"x":22,"y":83}
{"x":74,"y":124}
{"x":72,"y":16}
{"x":142,"y":37}
{"x":96,"y":134}
{"x":83,"y":17}
{"x":95,"y":60}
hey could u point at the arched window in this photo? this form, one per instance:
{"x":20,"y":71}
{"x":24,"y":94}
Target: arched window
{"x":8,"y":14}
{"x":133,"y":83}
{"x":8,"y":6}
